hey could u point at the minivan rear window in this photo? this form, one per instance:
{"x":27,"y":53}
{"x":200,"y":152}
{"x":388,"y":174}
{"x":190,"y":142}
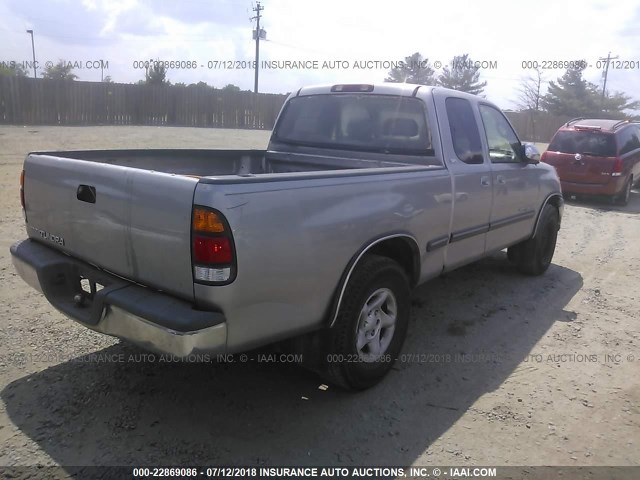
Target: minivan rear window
{"x":590,"y":143}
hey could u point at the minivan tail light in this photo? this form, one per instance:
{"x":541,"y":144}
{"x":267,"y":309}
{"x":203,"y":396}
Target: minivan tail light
{"x":617,"y":167}
{"x":212,"y":247}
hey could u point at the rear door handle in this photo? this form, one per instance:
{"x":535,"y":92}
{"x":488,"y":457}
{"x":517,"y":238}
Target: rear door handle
{"x":484,"y":181}
{"x":86,"y":193}
{"x":500,"y":179}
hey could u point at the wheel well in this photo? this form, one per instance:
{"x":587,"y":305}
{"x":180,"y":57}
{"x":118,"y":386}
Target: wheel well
{"x":555,"y":201}
{"x":403,"y":251}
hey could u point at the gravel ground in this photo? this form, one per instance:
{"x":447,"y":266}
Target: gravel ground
{"x":499,"y":369}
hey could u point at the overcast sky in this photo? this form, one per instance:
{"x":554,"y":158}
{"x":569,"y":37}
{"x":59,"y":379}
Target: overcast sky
{"x":123,"y":31}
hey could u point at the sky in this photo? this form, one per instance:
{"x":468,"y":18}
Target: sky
{"x":212,"y":34}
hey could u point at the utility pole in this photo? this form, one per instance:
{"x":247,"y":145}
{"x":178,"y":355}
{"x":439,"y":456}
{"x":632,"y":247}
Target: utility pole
{"x":606,"y":72}
{"x":33,"y":49}
{"x":258,"y":8}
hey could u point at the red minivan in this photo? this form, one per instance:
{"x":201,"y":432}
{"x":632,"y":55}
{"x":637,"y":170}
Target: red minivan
{"x":596,"y":156}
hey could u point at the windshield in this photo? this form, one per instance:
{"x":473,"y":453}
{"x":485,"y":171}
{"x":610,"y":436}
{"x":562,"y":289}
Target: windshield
{"x":381,"y":123}
{"x":589,"y":143}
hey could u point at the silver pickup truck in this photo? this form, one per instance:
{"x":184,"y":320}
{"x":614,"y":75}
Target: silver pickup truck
{"x":364,"y":192}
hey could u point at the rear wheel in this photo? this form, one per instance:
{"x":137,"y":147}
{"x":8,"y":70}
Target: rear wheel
{"x":533,"y":256}
{"x":623,"y":197}
{"x":371,"y":325}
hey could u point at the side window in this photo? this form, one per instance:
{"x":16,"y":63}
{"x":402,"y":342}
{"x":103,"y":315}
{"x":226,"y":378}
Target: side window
{"x":504,"y":146}
{"x":464,"y":130}
{"x":629,"y":140}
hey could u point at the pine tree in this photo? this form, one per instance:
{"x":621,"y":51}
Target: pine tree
{"x":463,"y":75}
{"x":573,"y":96}
{"x":415,"y":69}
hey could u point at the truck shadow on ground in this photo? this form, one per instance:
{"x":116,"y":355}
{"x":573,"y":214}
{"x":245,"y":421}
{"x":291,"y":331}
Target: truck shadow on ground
{"x":470,"y":331}
{"x":603,"y":204}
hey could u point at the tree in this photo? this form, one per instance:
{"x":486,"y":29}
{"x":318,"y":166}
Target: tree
{"x":530,"y":92}
{"x":573,"y":96}
{"x":59,"y":71}
{"x":12,"y":69}
{"x":530,"y":97}
{"x":200,"y":84}
{"x":230,"y":87}
{"x":462,"y":74}
{"x":614,"y":106}
{"x":108,"y":79}
{"x":156,"y":74}
{"x":414,"y":69}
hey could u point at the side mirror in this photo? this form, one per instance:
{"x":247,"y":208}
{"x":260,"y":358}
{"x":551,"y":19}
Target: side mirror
{"x":530,"y":153}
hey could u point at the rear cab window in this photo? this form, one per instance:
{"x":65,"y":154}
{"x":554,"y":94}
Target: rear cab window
{"x":376,"y":123}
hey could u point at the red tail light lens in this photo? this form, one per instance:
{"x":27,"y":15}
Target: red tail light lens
{"x":212,"y":250}
{"x":618,"y":166}
{"x":543,"y":157}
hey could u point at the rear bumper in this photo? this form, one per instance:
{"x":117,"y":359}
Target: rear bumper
{"x":153,"y":320}
{"x":612,"y":187}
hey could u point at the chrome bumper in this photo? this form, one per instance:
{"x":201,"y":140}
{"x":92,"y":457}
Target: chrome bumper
{"x":153,"y":320}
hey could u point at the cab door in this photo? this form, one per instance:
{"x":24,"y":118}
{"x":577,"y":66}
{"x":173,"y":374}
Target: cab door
{"x":516,"y":182}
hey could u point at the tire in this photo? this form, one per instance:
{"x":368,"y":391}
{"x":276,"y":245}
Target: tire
{"x":360,"y":349}
{"x":533,"y":256}
{"x":623,"y":197}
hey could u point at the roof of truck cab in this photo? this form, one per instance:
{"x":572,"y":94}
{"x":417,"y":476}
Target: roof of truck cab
{"x":388,"y":88}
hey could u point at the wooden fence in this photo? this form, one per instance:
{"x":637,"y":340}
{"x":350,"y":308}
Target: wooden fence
{"x":28,"y":101}
{"x":536,"y":127}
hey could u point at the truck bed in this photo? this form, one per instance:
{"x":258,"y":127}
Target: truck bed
{"x":203,"y":163}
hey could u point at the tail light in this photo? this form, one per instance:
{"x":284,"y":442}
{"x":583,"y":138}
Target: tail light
{"x":544,"y":156}
{"x":212,"y":250}
{"x":618,"y":166}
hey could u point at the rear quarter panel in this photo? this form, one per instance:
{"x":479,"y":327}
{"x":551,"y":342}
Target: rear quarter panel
{"x":294,"y":239}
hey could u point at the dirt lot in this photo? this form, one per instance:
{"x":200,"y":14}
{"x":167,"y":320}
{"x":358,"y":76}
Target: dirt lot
{"x":503,"y":369}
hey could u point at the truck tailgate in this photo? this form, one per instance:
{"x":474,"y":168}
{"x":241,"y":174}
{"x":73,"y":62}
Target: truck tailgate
{"x":132,"y":222}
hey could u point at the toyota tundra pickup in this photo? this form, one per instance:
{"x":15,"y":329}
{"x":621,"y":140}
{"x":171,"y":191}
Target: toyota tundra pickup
{"x":364,"y":192}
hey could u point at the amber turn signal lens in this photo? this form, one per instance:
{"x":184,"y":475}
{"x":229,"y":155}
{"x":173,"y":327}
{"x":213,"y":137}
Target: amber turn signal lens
{"x":207,"y":221}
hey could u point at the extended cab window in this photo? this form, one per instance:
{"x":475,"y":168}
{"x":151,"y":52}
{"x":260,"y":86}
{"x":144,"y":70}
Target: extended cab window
{"x":378,"y":123}
{"x":502,"y":140}
{"x":464,"y":130}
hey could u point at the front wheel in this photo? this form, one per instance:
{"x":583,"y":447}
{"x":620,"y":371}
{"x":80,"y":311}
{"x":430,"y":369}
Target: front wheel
{"x":371,"y":325}
{"x":533,"y":256}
